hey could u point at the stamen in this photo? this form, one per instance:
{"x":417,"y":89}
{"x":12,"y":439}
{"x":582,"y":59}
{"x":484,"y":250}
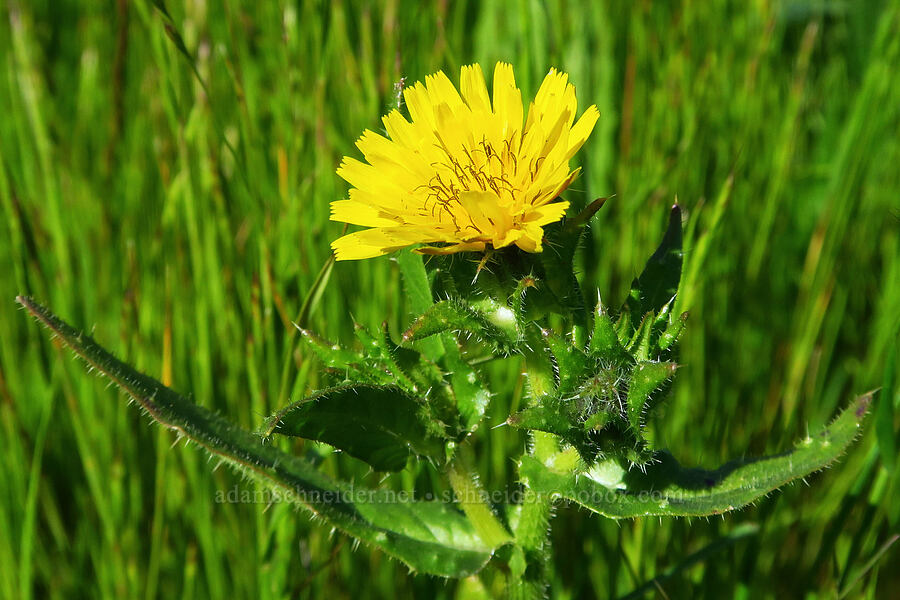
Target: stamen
{"x":472,"y":168}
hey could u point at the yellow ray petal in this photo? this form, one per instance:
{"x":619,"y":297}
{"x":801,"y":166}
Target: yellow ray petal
{"x":419,"y":104}
{"x":356,"y":246}
{"x":532,"y":239}
{"x":548,"y":213}
{"x":453,"y":249}
{"x":401,"y":131}
{"x":550,"y":95}
{"x":582,"y":129}
{"x":358,"y":213}
{"x":507,"y":100}
{"x":441,"y":91}
{"x":386,"y":180}
{"x":474,"y":90}
{"x":510,"y":237}
{"x":401,"y":162}
{"x":376,"y":146}
{"x":477,"y":204}
{"x":375,"y":242}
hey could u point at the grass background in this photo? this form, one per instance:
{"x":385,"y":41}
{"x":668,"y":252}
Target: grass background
{"x":124,"y":209}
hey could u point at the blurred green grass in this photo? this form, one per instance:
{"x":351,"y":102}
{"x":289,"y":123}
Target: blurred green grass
{"x":774,"y":123}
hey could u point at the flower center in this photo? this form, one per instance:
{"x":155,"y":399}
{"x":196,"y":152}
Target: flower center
{"x":483,"y":167}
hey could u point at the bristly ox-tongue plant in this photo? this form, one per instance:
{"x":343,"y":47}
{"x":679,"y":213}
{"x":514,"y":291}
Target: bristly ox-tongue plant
{"x":471,"y":173}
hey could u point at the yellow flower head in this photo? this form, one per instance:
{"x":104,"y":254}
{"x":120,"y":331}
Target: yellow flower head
{"x":464,"y":172}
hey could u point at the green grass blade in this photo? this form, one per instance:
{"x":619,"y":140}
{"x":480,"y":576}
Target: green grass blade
{"x":430,"y":537}
{"x":884,"y":413}
{"x":741,"y":532}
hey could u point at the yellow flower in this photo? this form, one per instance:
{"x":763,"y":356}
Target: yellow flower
{"x":463,"y":173}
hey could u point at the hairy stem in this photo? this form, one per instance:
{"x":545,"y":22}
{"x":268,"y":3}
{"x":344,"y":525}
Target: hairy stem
{"x":529,"y":575}
{"x":473,"y":500}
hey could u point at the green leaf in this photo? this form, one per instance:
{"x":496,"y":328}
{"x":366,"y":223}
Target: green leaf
{"x":472,"y":396}
{"x":551,"y":415}
{"x":429,"y":537}
{"x":469,"y":391}
{"x":350,"y":364}
{"x":571,"y":362}
{"x":658,"y":283}
{"x":668,"y":489}
{"x":517,"y":298}
{"x":473,"y":499}
{"x":490,"y":321}
{"x":640,"y":344}
{"x":670,"y":335}
{"x":380,"y":361}
{"x":418,"y":294}
{"x":645,"y":379}
{"x":411,"y":366}
{"x":332,"y":356}
{"x":540,"y":371}
{"x":382,"y":425}
{"x":568,"y":420}
{"x":415,"y":281}
{"x":604,"y":342}
{"x":583,"y":218}
{"x":557,"y":260}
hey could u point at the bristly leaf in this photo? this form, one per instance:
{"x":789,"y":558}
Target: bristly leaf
{"x":491,"y":322}
{"x":332,"y":355}
{"x":645,"y":379}
{"x":658,"y":283}
{"x":471,"y":394}
{"x":557,"y":261}
{"x":559,"y":417}
{"x":604,"y":344}
{"x":381,"y":425}
{"x":668,"y":489}
{"x":415,"y":281}
{"x":640,"y":343}
{"x":379,"y":357}
{"x":429,"y":537}
{"x":670,"y":334}
{"x":571,"y":362}
{"x":350,"y":365}
{"x":551,"y":415}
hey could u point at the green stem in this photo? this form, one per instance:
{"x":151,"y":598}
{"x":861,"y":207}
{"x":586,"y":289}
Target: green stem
{"x":474,"y":502}
{"x":529,"y":574}
{"x":529,"y":566}
{"x":534,"y":522}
